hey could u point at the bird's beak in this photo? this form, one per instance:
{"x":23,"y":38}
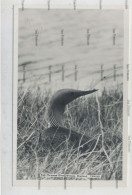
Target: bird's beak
{"x":89,"y":92}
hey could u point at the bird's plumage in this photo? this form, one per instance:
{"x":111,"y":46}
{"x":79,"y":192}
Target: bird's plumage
{"x":57,"y":136}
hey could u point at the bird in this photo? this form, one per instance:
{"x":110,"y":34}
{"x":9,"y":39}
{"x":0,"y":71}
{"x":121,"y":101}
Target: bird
{"x":58,"y":137}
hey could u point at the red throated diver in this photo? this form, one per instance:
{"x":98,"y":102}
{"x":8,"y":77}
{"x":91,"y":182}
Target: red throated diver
{"x":57,"y":136}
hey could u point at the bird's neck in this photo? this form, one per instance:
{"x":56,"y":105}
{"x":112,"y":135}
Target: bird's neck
{"x":55,"y":113}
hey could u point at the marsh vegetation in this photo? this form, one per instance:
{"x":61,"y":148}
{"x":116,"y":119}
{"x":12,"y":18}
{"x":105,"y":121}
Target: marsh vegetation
{"x":98,"y":116}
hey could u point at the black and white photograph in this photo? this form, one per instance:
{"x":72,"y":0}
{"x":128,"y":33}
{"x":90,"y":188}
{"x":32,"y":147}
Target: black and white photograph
{"x":70,"y":92}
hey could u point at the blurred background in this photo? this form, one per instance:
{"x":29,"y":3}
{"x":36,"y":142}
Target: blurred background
{"x":65,"y":48}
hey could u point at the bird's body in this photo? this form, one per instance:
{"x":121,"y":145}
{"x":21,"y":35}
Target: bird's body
{"x":57,"y":138}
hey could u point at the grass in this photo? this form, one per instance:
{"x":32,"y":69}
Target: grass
{"x":93,"y":115}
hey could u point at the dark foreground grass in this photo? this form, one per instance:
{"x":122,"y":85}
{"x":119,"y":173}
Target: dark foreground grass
{"x":94,"y":116}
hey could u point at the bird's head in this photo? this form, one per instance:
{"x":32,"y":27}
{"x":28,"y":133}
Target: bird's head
{"x":65,"y":96}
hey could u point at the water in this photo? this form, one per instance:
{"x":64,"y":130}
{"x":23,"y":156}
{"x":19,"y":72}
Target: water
{"x":40,"y":38}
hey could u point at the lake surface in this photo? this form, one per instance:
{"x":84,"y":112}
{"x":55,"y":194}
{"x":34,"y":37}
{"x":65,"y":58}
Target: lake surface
{"x":71,"y":48}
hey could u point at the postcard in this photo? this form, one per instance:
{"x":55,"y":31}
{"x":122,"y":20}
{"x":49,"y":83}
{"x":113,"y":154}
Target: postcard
{"x":70,"y":95}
